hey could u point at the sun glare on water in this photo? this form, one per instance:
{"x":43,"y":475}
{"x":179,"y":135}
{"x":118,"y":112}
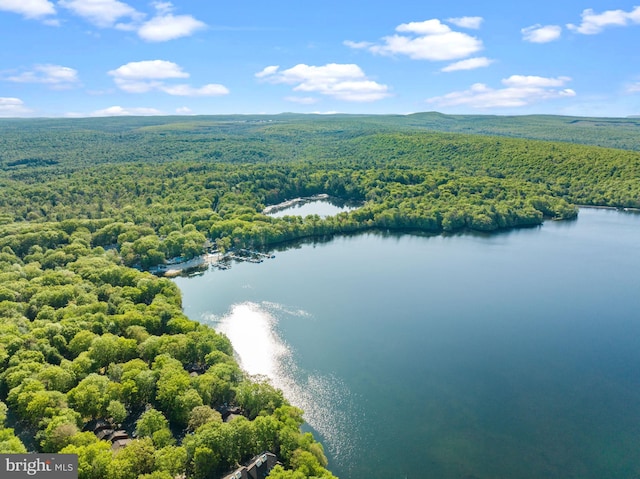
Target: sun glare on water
{"x":327,"y":402}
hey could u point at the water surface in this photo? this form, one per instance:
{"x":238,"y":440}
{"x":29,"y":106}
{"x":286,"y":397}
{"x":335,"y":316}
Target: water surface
{"x":321,"y":205}
{"x":509,"y":356}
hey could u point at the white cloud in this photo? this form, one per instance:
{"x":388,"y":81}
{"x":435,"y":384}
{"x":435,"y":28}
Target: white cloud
{"x":101,"y":13}
{"x":467,"y":22}
{"x":519,"y":91}
{"x":151,"y":75}
{"x":427,"y":40}
{"x":184,"y":110}
{"x":28,"y":8}
{"x":163,"y":7}
{"x":141,"y":77}
{"x":357,"y":45}
{"x":121,"y":111}
{"x":10,"y":107}
{"x":468,"y":64}
{"x":156,"y":69}
{"x":532,"y":81}
{"x":270,"y":70}
{"x":341,"y":81}
{"x":211,"y":89}
{"x":633,"y":88}
{"x":162,"y":27}
{"x":427,"y":27}
{"x":541,"y":34}
{"x":302,"y":100}
{"x":593,"y":23}
{"x":55,"y":75}
{"x":169,"y":27}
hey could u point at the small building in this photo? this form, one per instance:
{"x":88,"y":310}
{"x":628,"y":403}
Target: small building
{"x":104,"y":434}
{"x":231,"y":417}
{"x":227,"y":411}
{"x":106,"y":431}
{"x":97,"y":425}
{"x":118,"y":436}
{"x":258,"y":468}
{"x":119,"y":444}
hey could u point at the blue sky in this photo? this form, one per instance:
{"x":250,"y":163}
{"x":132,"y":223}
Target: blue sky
{"x":115,"y":57}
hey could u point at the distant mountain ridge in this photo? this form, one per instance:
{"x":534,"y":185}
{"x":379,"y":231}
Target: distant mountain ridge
{"x":622,"y":133}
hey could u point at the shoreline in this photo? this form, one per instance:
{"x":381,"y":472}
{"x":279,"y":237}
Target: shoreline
{"x":295,"y":201}
{"x":209,"y":259}
{"x":616,"y":208}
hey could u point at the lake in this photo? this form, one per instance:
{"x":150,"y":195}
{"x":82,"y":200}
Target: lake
{"x":511,"y":355}
{"x":321,"y":205}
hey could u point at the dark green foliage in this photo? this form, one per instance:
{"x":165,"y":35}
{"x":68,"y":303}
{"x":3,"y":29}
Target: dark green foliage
{"x":83,"y":335}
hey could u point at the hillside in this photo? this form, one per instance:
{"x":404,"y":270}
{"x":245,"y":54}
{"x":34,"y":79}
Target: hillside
{"x":86,"y":205}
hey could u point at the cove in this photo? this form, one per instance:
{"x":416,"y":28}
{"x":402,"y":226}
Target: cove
{"x":511,"y":355}
{"x":322,"y":205}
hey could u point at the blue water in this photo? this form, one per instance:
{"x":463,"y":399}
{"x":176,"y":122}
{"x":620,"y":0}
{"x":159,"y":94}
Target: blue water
{"x":514,"y":355}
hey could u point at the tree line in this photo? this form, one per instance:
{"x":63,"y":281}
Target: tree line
{"x":86,"y":336}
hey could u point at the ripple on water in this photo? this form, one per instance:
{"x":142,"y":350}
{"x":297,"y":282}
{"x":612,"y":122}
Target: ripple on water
{"x":329,"y":406}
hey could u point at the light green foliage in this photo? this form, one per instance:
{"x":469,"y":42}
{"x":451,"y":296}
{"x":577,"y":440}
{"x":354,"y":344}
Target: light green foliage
{"x":90,"y":397}
{"x":150,"y":422}
{"x":131,"y":461}
{"x":3,"y":413}
{"x":201,"y":415}
{"x":258,"y":398}
{"x":308,"y":464}
{"x":84,"y":336}
{"x":116,"y":411}
{"x":59,"y":432}
{"x":93,"y":459}
{"x":280,"y":472}
{"x":9,"y":443}
{"x":205,"y":462}
{"x":171,"y":459}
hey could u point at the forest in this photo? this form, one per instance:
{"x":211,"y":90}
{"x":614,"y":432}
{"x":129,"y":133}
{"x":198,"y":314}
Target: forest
{"x":87,"y":206}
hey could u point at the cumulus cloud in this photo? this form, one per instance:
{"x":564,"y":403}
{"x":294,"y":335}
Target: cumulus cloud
{"x":155,"y":69}
{"x":468,"y":64}
{"x":341,"y":81}
{"x":270,"y":70}
{"x":184,"y":110}
{"x":212,"y":89}
{"x":151,"y":75}
{"x":167,"y":26}
{"x":541,"y":34}
{"x":56,"y":76}
{"x":427,"y":27}
{"x":518,"y":91}
{"x":467,"y":22}
{"x":10,"y":107}
{"x":593,"y":23}
{"x":163,"y":26}
{"x":101,"y":13}
{"x":28,"y":8}
{"x":123,"y":111}
{"x":427,"y":40}
{"x":144,"y":76}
